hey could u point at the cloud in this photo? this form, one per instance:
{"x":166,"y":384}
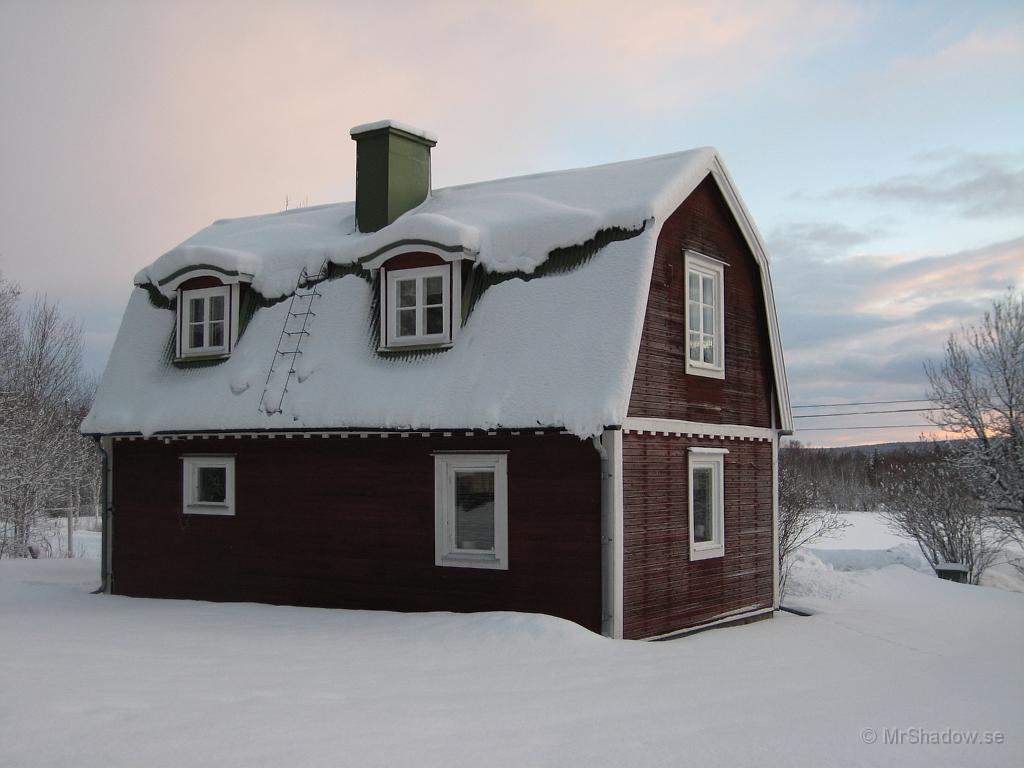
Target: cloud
{"x":820,"y":239}
{"x":859,"y":326}
{"x":969,"y":184}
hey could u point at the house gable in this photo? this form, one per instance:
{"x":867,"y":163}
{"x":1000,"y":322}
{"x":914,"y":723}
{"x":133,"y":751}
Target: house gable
{"x":662,"y":388}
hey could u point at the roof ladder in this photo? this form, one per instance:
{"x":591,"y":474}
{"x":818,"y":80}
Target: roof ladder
{"x":289,"y":344}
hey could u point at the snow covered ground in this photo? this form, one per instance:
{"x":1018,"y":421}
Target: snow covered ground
{"x":890,"y":654}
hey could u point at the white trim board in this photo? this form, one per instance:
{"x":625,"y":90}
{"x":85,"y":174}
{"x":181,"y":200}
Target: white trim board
{"x":696,"y":429}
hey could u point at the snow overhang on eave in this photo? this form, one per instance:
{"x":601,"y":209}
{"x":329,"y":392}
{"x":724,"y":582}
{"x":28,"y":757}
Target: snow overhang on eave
{"x":414,"y":245}
{"x":170,"y":283}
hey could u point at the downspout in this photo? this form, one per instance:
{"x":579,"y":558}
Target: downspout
{"x":609,"y":448}
{"x":106,"y":575}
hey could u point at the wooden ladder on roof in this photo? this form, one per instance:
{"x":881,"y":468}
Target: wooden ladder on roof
{"x":295,"y":330}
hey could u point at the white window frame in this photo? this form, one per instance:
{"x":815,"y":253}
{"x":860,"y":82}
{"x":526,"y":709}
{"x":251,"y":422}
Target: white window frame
{"x":706,"y":267}
{"x":445,"y":552}
{"x":389,"y":308}
{"x":713,"y":459}
{"x":190,"y":466}
{"x":185,"y":298}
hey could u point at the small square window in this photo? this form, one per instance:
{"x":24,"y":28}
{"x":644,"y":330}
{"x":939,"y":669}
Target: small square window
{"x":471,"y":510}
{"x":705,"y":316}
{"x":707,"y":503}
{"x":208,"y":485}
{"x":417,"y":306}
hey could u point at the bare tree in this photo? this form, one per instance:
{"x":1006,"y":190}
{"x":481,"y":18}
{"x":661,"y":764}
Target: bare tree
{"x":44,"y":463}
{"x":979,"y":387}
{"x":932,"y":502}
{"x":803,"y":516}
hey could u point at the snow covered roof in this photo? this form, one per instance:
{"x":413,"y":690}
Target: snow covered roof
{"x":553,"y":352}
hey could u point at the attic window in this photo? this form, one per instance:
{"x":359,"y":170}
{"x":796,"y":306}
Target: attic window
{"x":417,"y":306}
{"x":705,"y":316}
{"x":207,"y":321}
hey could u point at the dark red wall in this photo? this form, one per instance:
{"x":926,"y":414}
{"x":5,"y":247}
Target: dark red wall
{"x":349,"y":522}
{"x":661,"y":387}
{"x":663,"y":590}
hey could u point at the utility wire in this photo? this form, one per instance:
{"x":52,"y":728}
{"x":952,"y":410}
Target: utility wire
{"x":875,"y":426}
{"x":871,"y":402}
{"x":861,"y":413}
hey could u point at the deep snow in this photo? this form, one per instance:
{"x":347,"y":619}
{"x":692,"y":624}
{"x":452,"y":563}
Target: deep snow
{"x":109,"y":681}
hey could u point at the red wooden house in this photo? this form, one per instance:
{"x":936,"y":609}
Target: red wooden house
{"x":560,"y":393}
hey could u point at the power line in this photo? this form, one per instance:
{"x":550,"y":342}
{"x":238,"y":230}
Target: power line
{"x":869,"y":402}
{"x":875,"y":426}
{"x":862,"y":413}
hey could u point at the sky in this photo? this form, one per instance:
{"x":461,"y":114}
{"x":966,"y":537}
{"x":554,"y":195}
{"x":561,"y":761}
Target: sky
{"x":878,"y":146}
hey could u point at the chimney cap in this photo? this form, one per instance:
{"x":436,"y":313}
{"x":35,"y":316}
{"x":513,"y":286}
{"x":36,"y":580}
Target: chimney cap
{"x":416,"y":133}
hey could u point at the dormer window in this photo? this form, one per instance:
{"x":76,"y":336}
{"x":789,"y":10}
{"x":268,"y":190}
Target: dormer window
{"x":420,"y":304}
{"x":207,"y":318}
{"x":206,"y":321}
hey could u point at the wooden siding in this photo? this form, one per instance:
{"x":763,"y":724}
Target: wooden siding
{"x":663,"y":590}
{"x":349,"y":522}
{"x":661,"y":387}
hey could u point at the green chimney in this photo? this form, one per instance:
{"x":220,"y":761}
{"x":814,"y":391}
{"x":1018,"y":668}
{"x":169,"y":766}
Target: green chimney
{"x":392,"y":171}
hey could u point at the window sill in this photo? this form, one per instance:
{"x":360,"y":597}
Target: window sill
{"x":710,"y":372}
{"x":706,"y":552}
{"x":416,"y":347}
{"x":209,"y":509}
{"x":466,"y":560}
{"x":202,"y":357}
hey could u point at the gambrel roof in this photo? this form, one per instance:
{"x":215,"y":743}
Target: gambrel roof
{"x":551,"y":342}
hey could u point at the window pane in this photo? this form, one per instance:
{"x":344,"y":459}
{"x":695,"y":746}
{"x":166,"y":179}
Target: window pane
{"x":407,"y":322}
{"x":196,"y":336}
{"x":211,"y":484}
{"x":703,"y":482}
{"x":709,"y":320}
{"x":709,"y":290}
{"x":694,"y":286}
{"x":435,"y":319}
{"x":407,"y":293}
{"x":694,"y":316}
{"x":432,"y":289}
{"x":216,"y":307}
{"x":709,"y":349}
{"x":474,"y":510}
{"x":216,"y":333}
{"x":695,"y":346}
{"x":196,"y":309}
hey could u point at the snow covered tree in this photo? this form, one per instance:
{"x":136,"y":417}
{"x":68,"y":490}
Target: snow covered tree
{"x":932,"y":502}
{"x":979,"y":388}
{"x":44,"y":463}
{"x":803,"y":514}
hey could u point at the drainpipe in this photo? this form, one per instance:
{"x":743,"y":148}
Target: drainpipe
{"x":106,"y":575}
{"x":611,"y":532}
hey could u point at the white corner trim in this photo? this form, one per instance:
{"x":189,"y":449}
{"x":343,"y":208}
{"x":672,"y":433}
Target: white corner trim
{"x":646,"y":424}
